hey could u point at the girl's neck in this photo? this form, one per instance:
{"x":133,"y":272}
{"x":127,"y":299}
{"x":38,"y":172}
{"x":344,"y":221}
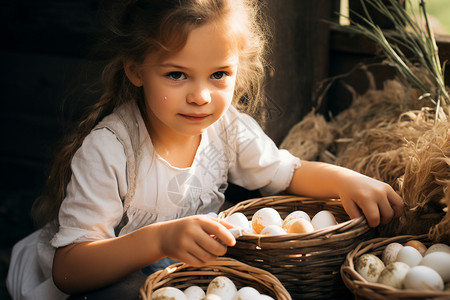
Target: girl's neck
{"x":179,"y":150}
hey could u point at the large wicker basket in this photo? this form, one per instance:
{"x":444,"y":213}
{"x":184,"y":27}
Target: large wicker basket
{"x":363,"y":289}
{"x":307,"y":264}
{"x":181,"y":276}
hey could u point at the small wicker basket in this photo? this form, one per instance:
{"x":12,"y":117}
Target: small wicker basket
{"x":307,"y":264}
{"x":181,"y":276}
{"x":363,"y":289}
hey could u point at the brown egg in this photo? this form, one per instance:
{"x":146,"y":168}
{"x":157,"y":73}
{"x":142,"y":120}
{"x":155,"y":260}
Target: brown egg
{"x":299,"y":226}
{"x":418,"y":245}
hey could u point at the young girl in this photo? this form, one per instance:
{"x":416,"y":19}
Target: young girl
{"x":155,"y":154}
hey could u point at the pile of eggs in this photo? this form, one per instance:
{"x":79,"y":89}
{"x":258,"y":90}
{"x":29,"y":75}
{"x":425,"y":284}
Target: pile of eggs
{"x":267,"y":221}
{"x":408,"y":266}
{"x":220,"y":288}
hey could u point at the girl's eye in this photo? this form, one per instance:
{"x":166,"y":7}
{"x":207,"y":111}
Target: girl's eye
{"x":219,"y":75}
{"x":176,"y":75}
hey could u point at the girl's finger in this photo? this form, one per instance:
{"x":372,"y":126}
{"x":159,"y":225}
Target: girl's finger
{"x":220,"y":232}
{"x":396,"y":202}
{"x":352,"y":210}
{"x":197,"y":259}
{"x":372,"y":213}
{"x":386,"y":211}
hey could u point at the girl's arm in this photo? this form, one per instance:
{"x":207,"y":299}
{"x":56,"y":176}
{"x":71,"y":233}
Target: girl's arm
{"x":359,"y":194}
{"x":85,"y":266}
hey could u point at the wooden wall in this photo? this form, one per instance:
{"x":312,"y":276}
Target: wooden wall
{"x":300,"y":60}
{"x":43,"y":56}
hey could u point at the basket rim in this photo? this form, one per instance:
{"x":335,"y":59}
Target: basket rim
{"x":358,"y":285}
{"x":339,"y":231}
{"x":214,"y":268}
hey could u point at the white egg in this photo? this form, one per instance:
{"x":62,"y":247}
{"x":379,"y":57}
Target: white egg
{"x":212,"y":214}
{"x":194,"y":292}
{"x":298,"y":214}
{"x":369,"y":267}
{"x":390,"y":253}
{"x":409,"y":255}
{"x":438,"y":247}
{"x":299,"y":226}
{"x":423,"y":278}
{"x":168,"y":293}
{"x":212,"y":297}
{"x":323,"y":219}
{"x":263,"y":297}
{"x":239,"y":220}
{"x":418,"y":245}
{"x":250,"y":229}
{"x":223,"y":287}
{"x":264,"y":217}
{"x":272,"y":230}
{"x":440,"y":262}
{"x":247,"y":293}
{"x":393,"y":274}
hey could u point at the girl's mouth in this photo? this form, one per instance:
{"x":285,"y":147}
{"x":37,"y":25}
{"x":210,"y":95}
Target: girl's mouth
{"x":194,"y":117}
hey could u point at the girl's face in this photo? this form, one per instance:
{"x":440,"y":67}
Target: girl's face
{"x":187,"y":92}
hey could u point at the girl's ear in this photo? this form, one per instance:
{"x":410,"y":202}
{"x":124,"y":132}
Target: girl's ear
{"x":131,"y":70}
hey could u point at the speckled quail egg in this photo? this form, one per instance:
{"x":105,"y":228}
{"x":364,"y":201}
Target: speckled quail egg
{"x":212,"y":297}
{"x":369,"y":266}
{"x":390,"y":252}
{"x":223,"y":287}
{"x":393,"y":274}
{"x":168,"y":293}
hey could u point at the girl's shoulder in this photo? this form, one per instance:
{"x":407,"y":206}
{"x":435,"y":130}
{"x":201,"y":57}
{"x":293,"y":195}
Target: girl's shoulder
{"x":235,"y":118}
{"x":235,"y":126}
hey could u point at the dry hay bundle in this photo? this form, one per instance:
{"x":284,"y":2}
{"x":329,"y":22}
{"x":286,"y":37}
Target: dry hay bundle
{"x":376,"y":107}
{"x":309,"y":138}
{"x":380,"y":152}
{"x":425,"y":186}
{"x":390,"y":135}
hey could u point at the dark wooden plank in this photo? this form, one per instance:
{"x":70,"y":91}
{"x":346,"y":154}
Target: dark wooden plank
{"x":299,"y":59}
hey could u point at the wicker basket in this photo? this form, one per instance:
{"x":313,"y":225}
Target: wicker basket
{"x":363,"y":289}
{"x":307,"y":264}
{"x":181,"y":276}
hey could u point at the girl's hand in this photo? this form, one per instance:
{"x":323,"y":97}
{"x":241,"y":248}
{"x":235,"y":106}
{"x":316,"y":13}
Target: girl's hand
{"x":377,"y":200}
{"x":359,"y":194}
{"x":196,"y":239}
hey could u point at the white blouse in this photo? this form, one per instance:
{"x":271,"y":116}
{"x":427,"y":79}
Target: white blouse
{"x":234,"y":149}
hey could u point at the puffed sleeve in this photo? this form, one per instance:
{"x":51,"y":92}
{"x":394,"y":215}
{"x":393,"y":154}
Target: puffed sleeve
{"x":257,"y":162}
{"x":93,"y":204}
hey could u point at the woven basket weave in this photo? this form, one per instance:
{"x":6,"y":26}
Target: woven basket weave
{"x":363,"y":289}
{"x":307,"y":264}
{"x":181,"y":276}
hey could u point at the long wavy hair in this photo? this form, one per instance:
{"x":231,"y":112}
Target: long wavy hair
{"x":137,"y":28}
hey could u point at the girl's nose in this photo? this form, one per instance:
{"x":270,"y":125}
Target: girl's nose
{"x":200,"y":96}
